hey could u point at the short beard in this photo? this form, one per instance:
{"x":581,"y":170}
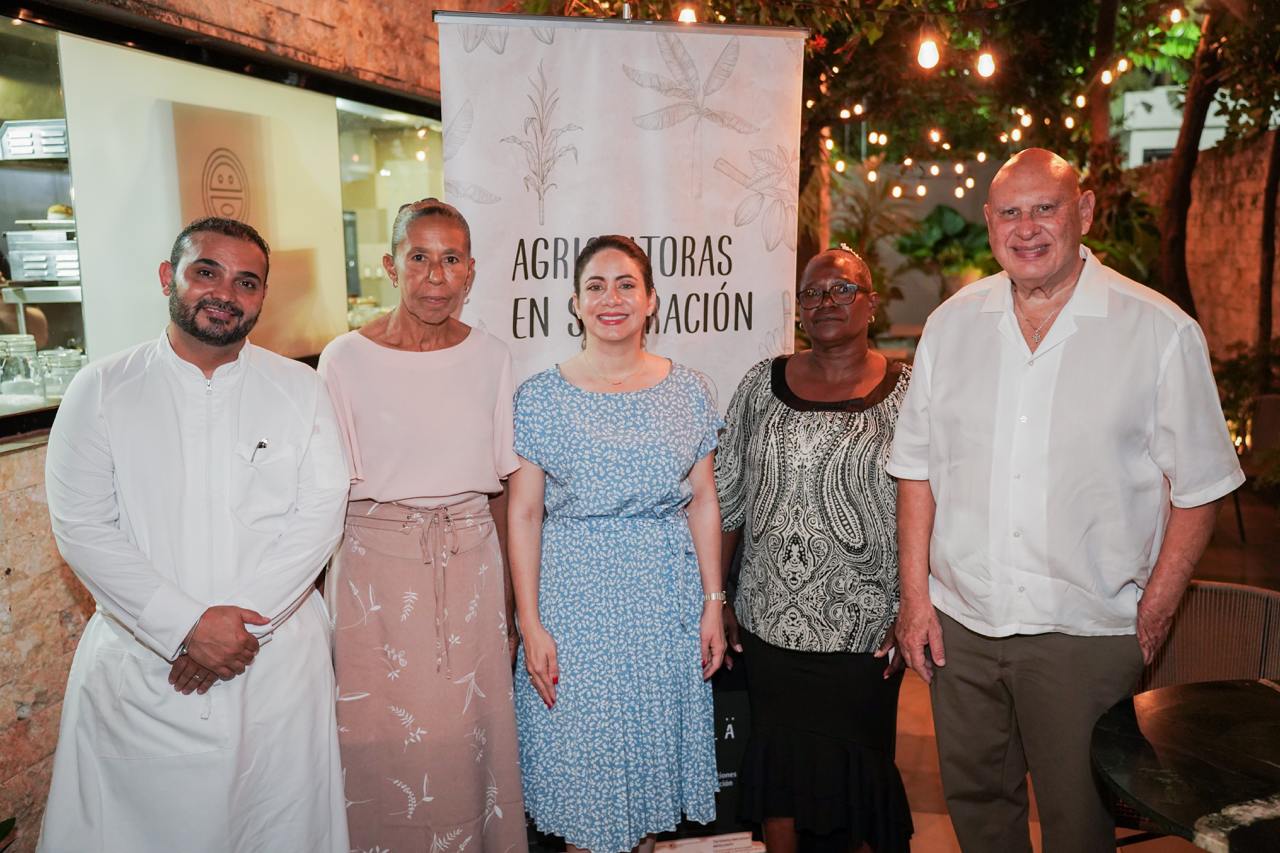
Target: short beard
{"x":184,"y":317}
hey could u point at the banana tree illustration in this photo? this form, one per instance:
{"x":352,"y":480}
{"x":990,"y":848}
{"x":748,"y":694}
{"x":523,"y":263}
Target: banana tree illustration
{"x":541,"y":141}
{"x":690,"y":92}
{"x":772,"y":188}
{"x":455,"y":136}
{"x":495,"y":38}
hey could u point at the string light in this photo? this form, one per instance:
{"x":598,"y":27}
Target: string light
{"x":872,"y":137}
{"x":1106,"y":77}
{"x":1016,"y":135}
{"x":928,"y":54}
{"x":830,"y":143}
{"x":982,"y":157}
{"x":1069,"y":122}
{"x":840,"y":166}
{"x":688,"y":16}
{"x":1175,"y":16}
{"x":946,"y":146}
{"x":968,"y":182}
{"x":872,"y":176}
{"x":809,"y":104}
{"x":959,"y":192}
{"x":883,"y":139}
{"x":1081,"y":100}
{"x":857,"y":109}
{"x":907,"y":161}
{"x":1020,"y":111}
{"x":1004,"y":137}
{"x":922,"y":191}
{"x":896,"y":192}
{"x":1122,"y":66}
{"x":986,"y":65}
{"x":959,"y":168}
{"x":844,"y":114}
{"x":835,"y":69}
{"x":934,"y":170}
{"x":935,"y":135}
{"x":1025,"y":121}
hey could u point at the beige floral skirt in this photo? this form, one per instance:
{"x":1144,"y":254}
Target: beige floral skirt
{"x":425,"y":717}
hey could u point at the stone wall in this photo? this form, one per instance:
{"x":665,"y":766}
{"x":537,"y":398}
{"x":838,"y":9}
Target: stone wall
{"x":383,"y":43}
{"x":1224,"y":228}
{"x":43,"y":609}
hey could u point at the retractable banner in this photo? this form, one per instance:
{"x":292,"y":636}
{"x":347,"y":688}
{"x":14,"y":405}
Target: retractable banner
{"x":683,"y":137}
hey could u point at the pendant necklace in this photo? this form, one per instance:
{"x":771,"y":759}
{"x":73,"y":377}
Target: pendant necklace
{"x":612,"y":382}
{"x":1035,"y":333}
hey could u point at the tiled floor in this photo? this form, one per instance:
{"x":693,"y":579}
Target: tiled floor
{"x":1227,"y":559}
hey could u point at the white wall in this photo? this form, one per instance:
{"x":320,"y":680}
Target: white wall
{"x":125,"y":173}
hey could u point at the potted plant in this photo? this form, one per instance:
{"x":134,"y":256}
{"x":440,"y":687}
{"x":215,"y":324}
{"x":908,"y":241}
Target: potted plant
{"x":947,"y":245}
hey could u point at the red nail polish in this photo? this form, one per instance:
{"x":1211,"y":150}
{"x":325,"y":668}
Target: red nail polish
{"x":555,"y":680}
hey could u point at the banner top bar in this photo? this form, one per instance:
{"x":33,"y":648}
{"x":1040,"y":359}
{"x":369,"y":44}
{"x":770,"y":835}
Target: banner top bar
{"x":441,"y":16}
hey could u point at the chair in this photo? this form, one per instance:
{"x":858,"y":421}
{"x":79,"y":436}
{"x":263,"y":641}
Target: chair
{"x":1264,"y":437}
{"x":1221,"y":631}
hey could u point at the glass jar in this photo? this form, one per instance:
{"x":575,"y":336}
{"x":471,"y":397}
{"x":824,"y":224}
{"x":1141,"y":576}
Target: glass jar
{"x":21,"y":383}
{"x":58,"y":366}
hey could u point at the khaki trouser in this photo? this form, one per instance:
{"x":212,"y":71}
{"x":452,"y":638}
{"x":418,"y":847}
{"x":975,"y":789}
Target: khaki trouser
{"x":1006,"y":705}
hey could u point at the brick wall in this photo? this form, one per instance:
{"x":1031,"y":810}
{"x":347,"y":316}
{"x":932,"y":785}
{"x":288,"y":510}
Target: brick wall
{"x":392,"y":44}
{"x":1224,"y":229}
{"x":43,"y":609}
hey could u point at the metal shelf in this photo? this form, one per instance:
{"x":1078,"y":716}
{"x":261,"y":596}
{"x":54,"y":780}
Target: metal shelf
{"x":15,"y":295}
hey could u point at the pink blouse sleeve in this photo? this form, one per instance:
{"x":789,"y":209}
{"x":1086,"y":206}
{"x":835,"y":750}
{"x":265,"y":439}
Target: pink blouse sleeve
{"x":505,"y":461}
{"x":331,"y":372}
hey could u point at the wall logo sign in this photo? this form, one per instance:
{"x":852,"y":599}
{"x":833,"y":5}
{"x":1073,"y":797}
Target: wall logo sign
{"x":225,"y":185}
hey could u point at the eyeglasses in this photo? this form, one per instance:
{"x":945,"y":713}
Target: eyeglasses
{"x":841,"y":293}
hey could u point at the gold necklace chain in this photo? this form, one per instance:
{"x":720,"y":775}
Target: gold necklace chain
{"x":603,"y":378}
{"x":1035,"y":332}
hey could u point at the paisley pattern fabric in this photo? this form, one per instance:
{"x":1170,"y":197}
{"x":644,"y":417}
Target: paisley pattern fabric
{"x":629,"y":745}
{"x":806,"y":481}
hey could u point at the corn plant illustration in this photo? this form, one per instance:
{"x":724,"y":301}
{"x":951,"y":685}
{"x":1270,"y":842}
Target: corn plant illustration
{"x":772,"y":187}
{"x":541,"y":141}
{"x":455,"y":136}
{"x":690,"y":92}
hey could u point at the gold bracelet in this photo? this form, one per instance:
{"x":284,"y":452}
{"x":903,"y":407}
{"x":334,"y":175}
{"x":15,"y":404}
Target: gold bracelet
{"x":721,"y":596}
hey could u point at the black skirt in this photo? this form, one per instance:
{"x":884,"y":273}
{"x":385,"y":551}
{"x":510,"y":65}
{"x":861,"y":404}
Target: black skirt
{"x":823,"y":727}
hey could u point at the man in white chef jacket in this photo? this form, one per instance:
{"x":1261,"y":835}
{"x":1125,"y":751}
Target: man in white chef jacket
{"x":196,"y":485}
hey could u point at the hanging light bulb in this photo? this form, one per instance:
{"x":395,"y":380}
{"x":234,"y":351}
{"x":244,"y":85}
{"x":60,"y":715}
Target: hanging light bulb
{"x":907,"y":161}
{"x":688,"y":15}
{"x":835,"y":69}
{"x":883,"y":139}
{"x":872,"y":137}
{"x":809,"y":104}
{"x":1016,"y":134}
{"x":986,"y":64}
{"x":872,"y":176}
{"x":840,"y":167}
{"x":922,"y":190}
{"x":844,"y":114}
{"x":1175,"y":15}
{"x":1004,"y":137}
{"x":857,"y":109}
{"x":959,"y":168}
{"x":896,"y":192}
{"x":830,"y":143}
{"x":1081,"y":100}
{"x":959,"y":192}
{"x":928,"y":55}
{"x":1025,"y":121}
{"x":968,"y":182}
{"x":1069,"y":122}
{"x":982,"y":157}
{"x":946,"y":146}
{"x":934,"y":170}
{"x":1020,"y":111}
{"x":1106,"y":77}
{"x":935,"y":135}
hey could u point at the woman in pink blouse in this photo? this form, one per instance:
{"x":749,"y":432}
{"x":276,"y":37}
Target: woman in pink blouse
{"x":417,"y":588}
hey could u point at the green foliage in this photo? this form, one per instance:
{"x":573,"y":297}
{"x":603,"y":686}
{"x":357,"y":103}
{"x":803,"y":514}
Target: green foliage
{"x":1236,"y":373}
{"x":1249,"y":53}
{"x":945,"y":243}
{"x":863,"y":215}
{"x":1125,"y":233}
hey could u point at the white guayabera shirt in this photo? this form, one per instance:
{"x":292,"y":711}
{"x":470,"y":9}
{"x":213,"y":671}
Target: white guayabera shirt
{"x":169,"y":493}
{"x":1054,"y":471}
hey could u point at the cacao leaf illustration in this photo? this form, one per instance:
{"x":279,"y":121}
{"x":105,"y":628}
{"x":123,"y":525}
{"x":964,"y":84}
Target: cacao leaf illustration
{"x":748,"y":210}
{"x":724,"y":118}
{"x":775,"y":222}
{"x":678,"y":60}
{"x":722,"y":69}
{"x":657,"y":83}
{"x":665,"y":117}
{"x":457,"y":130}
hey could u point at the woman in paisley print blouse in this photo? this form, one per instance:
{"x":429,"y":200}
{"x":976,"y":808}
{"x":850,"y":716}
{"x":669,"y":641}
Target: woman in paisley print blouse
{"x":801,"y":473}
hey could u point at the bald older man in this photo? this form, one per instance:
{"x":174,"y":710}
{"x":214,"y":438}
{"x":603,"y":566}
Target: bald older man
{"x":1060,"y":455}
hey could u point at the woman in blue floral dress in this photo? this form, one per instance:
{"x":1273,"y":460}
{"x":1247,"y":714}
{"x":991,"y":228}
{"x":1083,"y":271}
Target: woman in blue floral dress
{"x":618,"y":592}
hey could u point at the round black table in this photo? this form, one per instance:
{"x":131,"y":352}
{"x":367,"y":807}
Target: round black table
{"x":1201,"y":761}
